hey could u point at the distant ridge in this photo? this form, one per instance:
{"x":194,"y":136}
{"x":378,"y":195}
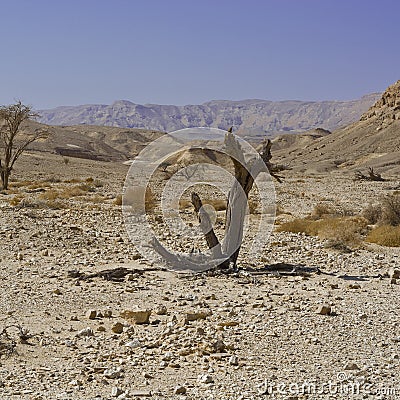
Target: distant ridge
{"x":249,"y":117}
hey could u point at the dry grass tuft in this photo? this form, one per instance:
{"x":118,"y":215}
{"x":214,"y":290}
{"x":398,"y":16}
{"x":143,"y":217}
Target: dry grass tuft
{"x":16,"y":200}
{"x":385,"y":235}
{"x":50,"y":195}
{"x":94,"y":199}
{"x":338,"y":231}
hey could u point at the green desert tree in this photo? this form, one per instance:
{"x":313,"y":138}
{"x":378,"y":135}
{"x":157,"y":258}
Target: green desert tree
{"x":13,"y":139}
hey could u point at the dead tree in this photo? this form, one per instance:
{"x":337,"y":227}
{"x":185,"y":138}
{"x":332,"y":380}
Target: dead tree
{"x":372,"y":176}
{"x":225,"y":255}
{"x":12,"y":141}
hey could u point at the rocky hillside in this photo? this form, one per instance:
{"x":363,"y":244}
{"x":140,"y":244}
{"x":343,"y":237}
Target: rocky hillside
{"x":102,"y":143}
{"x":386,"y":109}
{"x":374,"y":141}
{"x":249,"y":117}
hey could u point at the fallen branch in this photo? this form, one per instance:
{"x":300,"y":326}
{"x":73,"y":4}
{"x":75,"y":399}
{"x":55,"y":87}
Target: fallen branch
{"x":372,"y":176}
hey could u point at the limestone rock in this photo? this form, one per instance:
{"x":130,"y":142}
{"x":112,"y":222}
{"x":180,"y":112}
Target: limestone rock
{"x":139,"y":316}
{"x":91,"y":314}
{"x":324,"y":309}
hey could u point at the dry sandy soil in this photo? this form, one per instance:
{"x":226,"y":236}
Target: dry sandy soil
{"x":250,"y":335}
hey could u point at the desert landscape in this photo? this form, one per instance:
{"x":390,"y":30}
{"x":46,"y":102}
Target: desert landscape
{"x":85,"y":316}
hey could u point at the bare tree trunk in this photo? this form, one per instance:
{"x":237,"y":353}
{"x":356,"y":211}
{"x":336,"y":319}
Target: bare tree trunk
{"x":4,"y":178}
{"x":206,"y":227}
{"x":235,"y":215}
{"x":5,"y":175}
{"x":225,"y":256}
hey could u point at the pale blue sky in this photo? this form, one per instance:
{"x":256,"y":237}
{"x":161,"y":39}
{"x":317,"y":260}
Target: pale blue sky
{"x":59,"y":52}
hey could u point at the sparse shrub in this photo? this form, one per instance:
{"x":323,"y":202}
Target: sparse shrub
{"x":85,"y":187}
{"x":50,"y":195}
{"x":39,"y":185}
{"x":94,"y":199}
{"x":391,"y":210}
{"x":324,"y":210}
{"x":219,"y":205}
{"x":185,"y":204}
{"x":342,"y":232}
{"x":373,"y":213}
{"x":97,"y":183}
{"x":133,"y":198}
{"x":73,"y":191}
{"x":385,"y":235}
{"x":118,"y":200}
{"x":32,"y":202}
{"x":53,"y":180}
{"x":18,"y":184}
{"x":54,"y":204}
{"x":16,"y":200}
{"x":73,"y":180}
{"x":89,"y":180}
{"x":387,"y":212}
{"x":66,"y":160}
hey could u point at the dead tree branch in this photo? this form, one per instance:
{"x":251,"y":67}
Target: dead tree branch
{"x":372,"y":176}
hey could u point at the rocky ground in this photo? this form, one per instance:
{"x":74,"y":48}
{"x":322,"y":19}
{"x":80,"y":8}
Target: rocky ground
{"x":324,"y":325}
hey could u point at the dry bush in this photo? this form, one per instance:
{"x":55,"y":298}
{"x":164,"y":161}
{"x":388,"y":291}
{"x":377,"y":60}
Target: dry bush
{"x":324,"y":210}
{"x":73,"y":180}
{"x":94,"y":199}
{"x":31,"y":202}
{"x":97,"y":183}
{"x":373,"y":213}
{"x":185,"y":204}
{"x":54,"y":204}
{"x":86,"y":187}
{"x":118,"y":200}
{"x":133,"y":198}
{"x":300,"y":225}
{"x":385,"y":235}
{"x":53,"y":180}
{"x":66,"y":160}
{"x":219,"y":205}
{"x":387,"y":212}
{"x":16,"y":200}
{"x":18,"y":184}
{"x":339,"y":231}
{"x":39,"y":185}
{"x":50,"y":195}
{"x":75,"y":191}
{"x":391,"y":210}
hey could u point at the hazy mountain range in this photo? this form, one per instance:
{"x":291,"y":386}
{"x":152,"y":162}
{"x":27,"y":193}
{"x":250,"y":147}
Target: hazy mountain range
{"x":249,"y":117}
